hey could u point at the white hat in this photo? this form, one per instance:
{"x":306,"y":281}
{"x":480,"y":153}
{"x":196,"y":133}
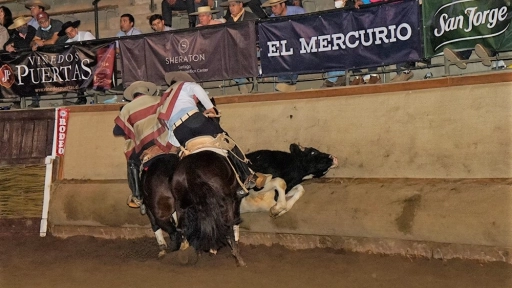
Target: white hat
{"x":270,"y":3}
{"x":146,"y":88}
{"x":205,"y":9}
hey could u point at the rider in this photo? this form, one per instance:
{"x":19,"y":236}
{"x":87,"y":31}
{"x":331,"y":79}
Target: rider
{"x":138,"y":123}
{"x":185,"y":123}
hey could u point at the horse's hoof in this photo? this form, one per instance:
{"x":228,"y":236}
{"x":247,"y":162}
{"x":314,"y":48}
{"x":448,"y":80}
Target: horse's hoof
{"x":274,"y":212}
{"x":187,"y":256}
{"x":161,"y":254}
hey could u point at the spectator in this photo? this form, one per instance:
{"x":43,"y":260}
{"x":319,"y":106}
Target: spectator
{"x":205,"y":16}
{"x":179,"y":5}
{"x":237,"y":13}
{"x":126,"y":25}
{"x":5,"y":16}
{"x":36,"y":7}
{"x":480,"y":51}
{"x":5,"y":21}
{"x":157,"y":23}
{"x":47,"y":33}
{"x":20,"y":39}
{"x":70,"y":29}
{"x":403,"y":75}
{"x":279,"y":9}
{"x":22,"y":36}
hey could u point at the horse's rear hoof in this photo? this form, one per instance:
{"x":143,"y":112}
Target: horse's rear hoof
{"x":188,"y":256}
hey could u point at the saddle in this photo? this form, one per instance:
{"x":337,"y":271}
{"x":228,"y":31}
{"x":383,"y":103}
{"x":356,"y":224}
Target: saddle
{"x":220,"y":144}
{"x":153,"y":152}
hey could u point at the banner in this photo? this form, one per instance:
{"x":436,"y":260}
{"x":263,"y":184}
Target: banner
{"x":461,"y":24}
{"x":208,"y":53}
{"x":64,"y":69}
{"x":62,"y":130}
{"x":341,"y":39}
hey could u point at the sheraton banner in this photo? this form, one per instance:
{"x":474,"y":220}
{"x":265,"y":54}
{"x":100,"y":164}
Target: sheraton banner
{"x":64,"y":69}
{"x":461,"y":24}
{"x":207,"y":53}
{"x":342,"y":39}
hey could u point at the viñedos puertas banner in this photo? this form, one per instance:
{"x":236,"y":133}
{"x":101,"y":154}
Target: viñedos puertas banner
{"x":208,"y":53}
{"x":64,"y":69}
{"x":461,"y":24}
{"x":340,"y":40}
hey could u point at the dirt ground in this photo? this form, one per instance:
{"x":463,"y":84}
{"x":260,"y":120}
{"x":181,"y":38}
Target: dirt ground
{"x":32,"y":261}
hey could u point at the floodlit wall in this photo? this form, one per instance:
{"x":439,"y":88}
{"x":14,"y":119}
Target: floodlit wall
{"x":424,"y":168}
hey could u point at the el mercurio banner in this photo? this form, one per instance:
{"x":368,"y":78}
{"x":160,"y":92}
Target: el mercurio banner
{"x":341,"y":39}
{"x":65,"y":70}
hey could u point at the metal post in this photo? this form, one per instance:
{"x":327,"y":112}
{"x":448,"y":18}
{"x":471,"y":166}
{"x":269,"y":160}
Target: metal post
{"x":96,"y":24}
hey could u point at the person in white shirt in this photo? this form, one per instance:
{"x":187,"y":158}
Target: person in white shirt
{"x":157,"y":23}
{"x":126,"y":24}
{"x":70,"y":29}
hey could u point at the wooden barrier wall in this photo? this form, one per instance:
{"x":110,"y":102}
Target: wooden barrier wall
{"x":425,"y":168}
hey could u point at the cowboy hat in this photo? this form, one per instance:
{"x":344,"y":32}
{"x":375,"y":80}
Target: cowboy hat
{"x":146,"y":88}
{"x":271,"y":3}
{"x":204,"y":9}
{"x":66,"y":25}
{"x":18,"y":22}
{"x":226,"y":3}
{"x":39,"y":3}
{"x":178,"y":76}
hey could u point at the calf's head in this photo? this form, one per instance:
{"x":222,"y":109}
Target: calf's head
{"x":314,"y":163}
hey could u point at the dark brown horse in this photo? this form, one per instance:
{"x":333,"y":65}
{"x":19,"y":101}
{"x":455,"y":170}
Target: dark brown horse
{"x":160,"y":205}
{"x":208,"y":210}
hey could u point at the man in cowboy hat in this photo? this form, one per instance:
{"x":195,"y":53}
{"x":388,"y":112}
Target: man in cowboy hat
{"x":145,"y":105}
{"x":185,"y":123}
{"x":237,"y":12}
{"x":279,"y":8}
{"x":179,"y":5}
{"x":36,"y":7}
{"x":21,"y":38}
{"x":70,"y":29}
{"x":205,"y":15}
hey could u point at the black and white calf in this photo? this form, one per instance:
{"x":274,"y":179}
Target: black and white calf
{"x":289,"y":169}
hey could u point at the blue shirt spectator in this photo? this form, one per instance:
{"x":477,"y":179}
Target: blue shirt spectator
{"x":279,"y":8}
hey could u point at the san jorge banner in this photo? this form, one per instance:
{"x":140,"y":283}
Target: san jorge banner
{"x":208,"y":53}
{"x":64,"y":69}
{"x":342,"y":39}
{"x":461,"y":24}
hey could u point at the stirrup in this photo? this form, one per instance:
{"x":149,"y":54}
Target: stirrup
{"x":134,"y":202}
{"x":257,"y":180}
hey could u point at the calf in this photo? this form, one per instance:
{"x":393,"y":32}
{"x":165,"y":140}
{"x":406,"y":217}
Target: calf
{"x":292,"y":167}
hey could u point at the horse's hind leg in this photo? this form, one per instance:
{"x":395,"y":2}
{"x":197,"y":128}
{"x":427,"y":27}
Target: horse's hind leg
{"x":235,"y":250}
{"x":158,"y":234}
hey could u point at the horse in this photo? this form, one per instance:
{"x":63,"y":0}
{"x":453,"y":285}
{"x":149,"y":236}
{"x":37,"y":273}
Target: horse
{"x":159,"y":200}
{"x":207,"y":206}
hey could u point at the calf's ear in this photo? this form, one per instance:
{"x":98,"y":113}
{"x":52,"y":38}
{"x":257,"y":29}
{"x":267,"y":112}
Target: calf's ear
{"x":295,"y":149}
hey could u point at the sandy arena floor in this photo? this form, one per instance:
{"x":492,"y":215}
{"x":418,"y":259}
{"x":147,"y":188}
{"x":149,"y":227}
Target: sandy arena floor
{"x":32,"y":261}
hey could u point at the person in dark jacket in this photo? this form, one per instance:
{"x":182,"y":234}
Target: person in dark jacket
{"x":21,"y":36}
{"x":236,"y":12}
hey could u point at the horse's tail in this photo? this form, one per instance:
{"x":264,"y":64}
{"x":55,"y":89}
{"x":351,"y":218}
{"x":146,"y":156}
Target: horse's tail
{"x":209,"y":218}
